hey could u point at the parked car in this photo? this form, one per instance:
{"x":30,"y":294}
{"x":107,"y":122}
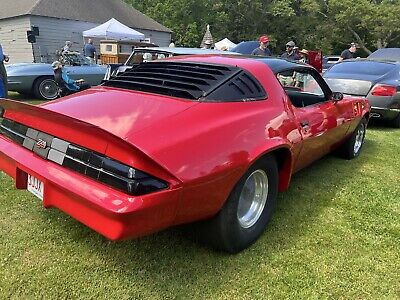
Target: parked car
{"x":139,"y":55}
{"x":378,"y":80}
{"x":38,"y":78}
{"x":328,"y":61}
{"x":190,"y":138}
{"x":386,"y":54}
{"x":246,"y":47}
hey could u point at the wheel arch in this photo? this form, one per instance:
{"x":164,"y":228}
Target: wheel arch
{"x":284,"y":159}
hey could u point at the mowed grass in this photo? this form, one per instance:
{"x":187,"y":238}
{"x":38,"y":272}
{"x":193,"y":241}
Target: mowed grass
{"x":335,"y":234}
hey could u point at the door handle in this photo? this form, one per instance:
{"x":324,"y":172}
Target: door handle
{"x":304,"y":123}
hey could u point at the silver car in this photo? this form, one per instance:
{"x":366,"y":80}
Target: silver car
{"x":378,"y":80}
{"x":38,"y":78}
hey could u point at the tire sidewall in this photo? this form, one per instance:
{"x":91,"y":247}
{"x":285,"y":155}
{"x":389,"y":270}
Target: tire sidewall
{"x":237,"y":237}
{"x":37,"y":87}
{"x":363,"y":123}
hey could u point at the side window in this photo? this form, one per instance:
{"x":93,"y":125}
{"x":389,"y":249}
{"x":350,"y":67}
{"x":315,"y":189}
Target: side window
{"x":302,"y":88}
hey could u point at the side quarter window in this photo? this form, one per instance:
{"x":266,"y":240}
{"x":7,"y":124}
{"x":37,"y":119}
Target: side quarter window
{"x":302,"y":87}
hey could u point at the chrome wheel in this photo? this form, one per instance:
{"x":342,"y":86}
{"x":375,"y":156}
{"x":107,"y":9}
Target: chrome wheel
{"x":359,"y":139}
{"x":48,"y":89}
{"x":252,"y":198}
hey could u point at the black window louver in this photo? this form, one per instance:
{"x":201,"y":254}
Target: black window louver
{"x":193,"y":81}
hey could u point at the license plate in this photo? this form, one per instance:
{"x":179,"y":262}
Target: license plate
{"x":35,"y":186}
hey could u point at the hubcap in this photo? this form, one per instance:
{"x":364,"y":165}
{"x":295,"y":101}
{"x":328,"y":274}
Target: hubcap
{"x":252,"y":198}
{"x":359,"y":139}
{"x":48,"y":89}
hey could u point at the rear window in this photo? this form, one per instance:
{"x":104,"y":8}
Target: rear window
{"x":386,"y":53}
{"x":192,"y":81}
{"x":349,"y":86}
{"x":362,"y":67}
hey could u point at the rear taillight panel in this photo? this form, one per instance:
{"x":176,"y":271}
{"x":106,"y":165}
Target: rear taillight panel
{"x":84,"y":161}
{"x":384,"y":90}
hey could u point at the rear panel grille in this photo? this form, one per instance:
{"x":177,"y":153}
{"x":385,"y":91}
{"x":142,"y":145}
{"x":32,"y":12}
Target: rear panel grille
{"x":194,"y":81}
{"x":82,"y":160}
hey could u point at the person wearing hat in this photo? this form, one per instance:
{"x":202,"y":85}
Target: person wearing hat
{"x":262,"y":50}
{"x":65,"y":83}
{"x":348,"y":53}
{"x":303,"y":53}
{"x":290,"y":54}
{"x":207,"y":44}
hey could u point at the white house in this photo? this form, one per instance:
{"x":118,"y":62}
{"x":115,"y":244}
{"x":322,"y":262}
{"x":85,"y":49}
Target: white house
{"x":58,"y":21}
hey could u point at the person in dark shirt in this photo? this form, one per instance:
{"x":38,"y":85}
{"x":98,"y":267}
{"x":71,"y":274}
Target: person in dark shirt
{"x":3,"y":74}
{"x":262,"y":50}
{"x":348,"y":53}
{"x":90,"y":51}
{"x":290,"y":54}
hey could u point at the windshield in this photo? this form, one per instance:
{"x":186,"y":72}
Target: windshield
{"x":361,"y":67}
{"x":75,"y":59}
{"x":144,"y":56}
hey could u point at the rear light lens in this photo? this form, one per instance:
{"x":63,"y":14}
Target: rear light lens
{"x":384,"y":90}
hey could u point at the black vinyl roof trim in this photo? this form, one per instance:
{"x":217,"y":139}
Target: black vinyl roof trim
{"x":192,"y":81}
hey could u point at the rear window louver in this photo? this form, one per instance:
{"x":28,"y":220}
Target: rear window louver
{"x":193,"y":81}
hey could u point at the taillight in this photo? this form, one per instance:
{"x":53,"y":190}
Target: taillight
{"x":384,"y":90}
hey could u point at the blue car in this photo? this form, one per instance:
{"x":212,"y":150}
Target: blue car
{"x":38,"y":78}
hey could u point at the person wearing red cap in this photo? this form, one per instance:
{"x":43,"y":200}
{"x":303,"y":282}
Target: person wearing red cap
{"x":262,"y":50}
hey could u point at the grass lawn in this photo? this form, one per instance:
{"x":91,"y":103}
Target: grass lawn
{"x":335,"y":234}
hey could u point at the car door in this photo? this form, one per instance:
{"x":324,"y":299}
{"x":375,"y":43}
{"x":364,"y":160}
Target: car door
{"x":322,"y":121}
{"x":78,"y":67}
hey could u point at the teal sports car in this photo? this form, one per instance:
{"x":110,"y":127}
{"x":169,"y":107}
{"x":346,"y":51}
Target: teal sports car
{"x":37,"y":79}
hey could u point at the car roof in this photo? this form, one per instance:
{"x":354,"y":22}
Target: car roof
{"x":275,"y":64}
{"x":183,"y":50}
{"x":390,"y":54}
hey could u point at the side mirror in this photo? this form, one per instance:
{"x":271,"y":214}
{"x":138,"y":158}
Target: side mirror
{"x":337,"y":96}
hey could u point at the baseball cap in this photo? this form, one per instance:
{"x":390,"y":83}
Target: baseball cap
{"x":290,"y":44}
{"x":56,"y":65}
{"x":263,"y":39}
{"x":207,"y":42}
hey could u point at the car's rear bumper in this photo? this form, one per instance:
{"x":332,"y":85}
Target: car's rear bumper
{"x":384,"y":113}
{"x":109,"y":212}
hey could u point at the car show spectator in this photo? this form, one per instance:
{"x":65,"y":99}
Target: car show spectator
{"x":90,"y":51}
{"x":303,"y":53}
{"x":348,"y":53}
{"x":262,"y":50}
{"x":290,"y":54}
{"x":67,"y":47}
{"x":65,"y":83}
{"x":3,"y":74}
{"x":207,"y":44}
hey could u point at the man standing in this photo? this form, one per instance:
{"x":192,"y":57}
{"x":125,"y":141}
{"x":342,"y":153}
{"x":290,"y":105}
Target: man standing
{"x":262,"y":50}
{"x":67,"y":47}
{"x":3,"y":74}
{"x":348,"y":53}
{"x":90,"y":51}
{"x":290,"y":54}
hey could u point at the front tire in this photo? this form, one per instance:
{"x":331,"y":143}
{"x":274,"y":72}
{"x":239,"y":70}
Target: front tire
{"x":352,"y":147}
{"x":45,"y":88}
{"x":248,"y":209}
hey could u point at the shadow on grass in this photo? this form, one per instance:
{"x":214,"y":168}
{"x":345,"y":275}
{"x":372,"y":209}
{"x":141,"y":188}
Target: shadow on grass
{"x":173,"y":257}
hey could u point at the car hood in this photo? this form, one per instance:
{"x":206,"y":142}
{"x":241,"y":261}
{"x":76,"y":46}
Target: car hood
{"x":120,"y":112}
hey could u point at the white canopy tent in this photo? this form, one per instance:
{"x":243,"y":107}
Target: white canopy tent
{"x":225,"y":43}
{"x":114,"y":30}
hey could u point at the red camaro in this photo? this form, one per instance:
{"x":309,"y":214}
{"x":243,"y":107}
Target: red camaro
{"x":169,"y":142}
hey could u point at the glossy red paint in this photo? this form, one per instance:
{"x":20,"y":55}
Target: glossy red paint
{"x":201,"y":149}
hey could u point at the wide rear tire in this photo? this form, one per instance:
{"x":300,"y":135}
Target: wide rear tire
{"x":247,"y":211}
{"x":396,"y":122}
